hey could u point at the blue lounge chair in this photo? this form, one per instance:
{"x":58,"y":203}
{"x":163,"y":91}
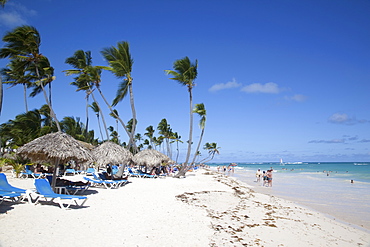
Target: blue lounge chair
{"x":70,"y":188}
{"x":105,"y":183}
{"x":5,"y":194}
{"x":45,"y":191}
{"x":140,"y":174}
{"x":30,"y":174}
{"x":69,"y":172}
{"x":90,"y":171}
{"x":5,"y":186}
{"x":103,"y":177}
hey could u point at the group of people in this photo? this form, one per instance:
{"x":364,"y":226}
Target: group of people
{"x":230,"y":168}
{"x":266,"y":176}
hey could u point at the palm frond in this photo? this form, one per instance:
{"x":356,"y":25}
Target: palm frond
{"x":121,"y":92}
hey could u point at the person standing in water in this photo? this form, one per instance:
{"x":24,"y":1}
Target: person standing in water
{"x":269,"y":178}
{"x":258,"y":175}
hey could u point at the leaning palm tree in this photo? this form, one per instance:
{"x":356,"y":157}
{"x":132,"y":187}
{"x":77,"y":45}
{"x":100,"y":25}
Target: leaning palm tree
{"x":185,"y":72}
{"x":201,"y":111}
{"x":23,"y":43}
{"x":120,"y":62}
{"x":87,"y":77}
{"x":212,"y":150}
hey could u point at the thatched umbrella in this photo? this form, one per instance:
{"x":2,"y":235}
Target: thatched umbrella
{"x":111,"y":153}
{"x":56,"y":148}
{"x":151,"y":157}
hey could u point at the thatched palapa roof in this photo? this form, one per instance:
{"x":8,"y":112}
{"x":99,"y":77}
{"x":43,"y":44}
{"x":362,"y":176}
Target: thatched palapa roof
{"x":54,"y":147}
{"x":111,"y":153}
{"x":151,"y":157}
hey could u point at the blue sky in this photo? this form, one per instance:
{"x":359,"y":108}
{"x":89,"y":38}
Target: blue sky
{"x":279,"y":79}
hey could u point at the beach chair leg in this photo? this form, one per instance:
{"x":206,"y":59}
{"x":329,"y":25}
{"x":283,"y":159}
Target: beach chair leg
{"x":37,"y":200}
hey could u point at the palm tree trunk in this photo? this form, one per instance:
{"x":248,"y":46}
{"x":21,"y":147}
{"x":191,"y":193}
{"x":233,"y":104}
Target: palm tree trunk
{"x":119,"y":119}
{"x":196,"y":151}
{"x":184,"y":167}
{"x":132,"y":141}
{"x":87,"y":116}
{"x":178,"y":152}
{"x":51,"y":103}
{"x":52,"y":113}
{"x":101,"y":133}
{"x":25,"y":96}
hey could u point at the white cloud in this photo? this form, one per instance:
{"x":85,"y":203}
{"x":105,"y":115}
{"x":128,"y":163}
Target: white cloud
{"x":342,"y":118}
{"x":339,"y":118}
{"x":222,"y":86}
{"x":11,"y":19}
{"x":297,"y":97}
{"x":15,"y":14}
{"x":269,"y":87}
{"x":328,"y":141}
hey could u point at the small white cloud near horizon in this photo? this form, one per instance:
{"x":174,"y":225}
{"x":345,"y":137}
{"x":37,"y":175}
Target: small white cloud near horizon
{"x":222,"y":86}
{"x":269,"y":87}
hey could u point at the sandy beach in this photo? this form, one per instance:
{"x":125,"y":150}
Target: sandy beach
{"x":204,"y":209}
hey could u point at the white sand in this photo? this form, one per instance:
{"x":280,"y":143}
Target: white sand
{"x":200,"y":210}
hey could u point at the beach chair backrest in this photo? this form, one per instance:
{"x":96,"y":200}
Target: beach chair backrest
{"x":4,"y":185}
{"x":43,"y":186}
{"x":3,"y":181}
{"x":90,"y":170}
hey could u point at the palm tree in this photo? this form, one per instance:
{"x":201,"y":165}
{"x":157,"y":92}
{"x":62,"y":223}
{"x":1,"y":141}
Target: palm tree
{"x":23,"y":43}
{"x":113,"y":134}
{"x":150,"y":133}
{"x":212,"y":150}
{"x":166,"y":132}
{"x":95,"y":107}
{"x":2,"y":3}
{"x":201,"y":111}
{"x":120,"y":62}
{"x":114,"y":114}
{"x":185,"y":73}
{"x":87,"y":77}
{"x":177,"y":138}
{"x":24,"y":128}
{"x":15,"y":74}
{"x":46,"y":72}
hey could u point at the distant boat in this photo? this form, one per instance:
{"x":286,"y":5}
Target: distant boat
{"x":281,"y":162}
{"x":233,"y":164}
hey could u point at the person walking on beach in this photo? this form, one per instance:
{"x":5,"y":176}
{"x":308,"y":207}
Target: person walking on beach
{"x":258,"y":175}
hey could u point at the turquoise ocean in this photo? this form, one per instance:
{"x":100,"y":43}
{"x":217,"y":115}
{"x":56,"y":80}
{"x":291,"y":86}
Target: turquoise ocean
{"x":322,"y":186}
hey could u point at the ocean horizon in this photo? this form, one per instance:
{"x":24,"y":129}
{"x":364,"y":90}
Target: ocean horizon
{"x":337,"y":189}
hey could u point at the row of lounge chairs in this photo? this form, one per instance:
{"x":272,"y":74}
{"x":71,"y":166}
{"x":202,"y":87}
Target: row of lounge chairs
{"x":27,"y":173}
{"x":44,"y":191}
